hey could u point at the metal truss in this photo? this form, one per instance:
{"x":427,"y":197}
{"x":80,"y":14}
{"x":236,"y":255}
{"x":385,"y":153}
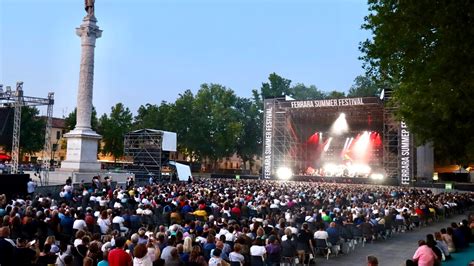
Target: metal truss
{"x":145,"y":148}
{"x":46,"y":155}
{"x":285,"y":148}
{"x":17,"y":100}
{"x":391,"y":133}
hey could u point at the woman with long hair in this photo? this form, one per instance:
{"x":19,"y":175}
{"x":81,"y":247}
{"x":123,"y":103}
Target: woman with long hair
{"x":196,"y":258}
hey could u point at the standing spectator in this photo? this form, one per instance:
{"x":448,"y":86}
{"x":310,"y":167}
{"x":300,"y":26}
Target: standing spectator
{"x":31,"y":187}
{"x":195,"y":258}
{"x":105,"y":259}
{"x":273,"y":251}
{"x":93,"y":255}
{"x":80,"y":223}
{"x":236,"y":256}
{"x":118,"y":256}
{"x":104,"y":222}
{"x":304,"y":245}
{"x":79,"y":252}
{"x":140,"y":256}
{"x":257,"y":252}
{"x":288,"y":244}
{"x":216,"y":259}
{"x":23,"y":254}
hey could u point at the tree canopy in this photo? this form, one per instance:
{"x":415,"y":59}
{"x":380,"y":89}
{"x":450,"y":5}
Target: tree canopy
{"x":70,"y":120}
{"x":424,"y":50}
{"x":32,"y":129}
{"x":113,"y":128}
{"x":364,"y":86}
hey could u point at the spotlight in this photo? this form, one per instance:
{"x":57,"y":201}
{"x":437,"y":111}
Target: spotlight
{"x":328,"y":142}
{"x":435,"y":176}
{"x":340,"y":125}
{"x":284,"y":173}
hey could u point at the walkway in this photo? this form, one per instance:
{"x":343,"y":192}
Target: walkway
{"x":392,"y":252}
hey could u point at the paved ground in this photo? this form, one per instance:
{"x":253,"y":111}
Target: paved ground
{"x":392,"y":252}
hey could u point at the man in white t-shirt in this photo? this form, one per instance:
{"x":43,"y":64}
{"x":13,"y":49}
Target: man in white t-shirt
{"x":119,"y":220}
{"x":31,"y":186}
{"x":321,"y":234}
{"x":79,"y":224}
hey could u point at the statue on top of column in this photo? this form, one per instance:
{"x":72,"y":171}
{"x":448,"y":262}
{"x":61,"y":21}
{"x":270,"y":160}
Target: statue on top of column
{"x":89,"y":7}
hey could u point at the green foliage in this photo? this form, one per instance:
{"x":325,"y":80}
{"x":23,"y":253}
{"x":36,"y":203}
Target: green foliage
{"x":424,"y":48}
{"x":302,"y":92}
{"x":183,"y":121}
{"x":32,"y":129}
{"x":217,"y":121}
{"x":153,"y":116}
{"x":364,"y":86}
{"x":113,"y":128}
{"x":249,"y":143}
{"x":70,"y":120}
{"x":334,"y":95}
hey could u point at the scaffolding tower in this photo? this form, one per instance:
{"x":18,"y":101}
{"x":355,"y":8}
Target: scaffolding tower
{"x":17,"y":100}
{"x":391,"y":128}
{"x":144,"y":146}
{"x":284,"y":145}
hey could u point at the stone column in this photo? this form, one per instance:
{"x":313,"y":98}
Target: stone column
{"x":89,"y":32}
{"x":82,"y":142}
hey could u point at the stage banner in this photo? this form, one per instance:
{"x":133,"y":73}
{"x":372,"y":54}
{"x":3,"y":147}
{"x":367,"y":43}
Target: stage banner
{"x":269,"y":110}
{"x":327,"y":103}
{"x":405,"y":154}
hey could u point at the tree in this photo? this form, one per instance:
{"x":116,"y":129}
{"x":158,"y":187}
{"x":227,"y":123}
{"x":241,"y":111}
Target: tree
{"x":302,"y":92}
{"x":153,"y":116}
{"x":70,"y":120}
{"x":334,"y":95}
{"x":276,"y":87}
{"x":113,"y":128}
{"x":424,"y":49}
{"x":249,"y":143}
{"x":32,"y":129}
{"x":364,"y":86}
{"x":182,"y":118}
{"x":216,"y":119}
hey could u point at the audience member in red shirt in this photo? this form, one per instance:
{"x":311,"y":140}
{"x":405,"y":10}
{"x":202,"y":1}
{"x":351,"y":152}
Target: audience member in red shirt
{"x":118,"y":256}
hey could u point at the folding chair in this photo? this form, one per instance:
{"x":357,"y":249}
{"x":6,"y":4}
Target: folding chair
{"x":322,"y":245}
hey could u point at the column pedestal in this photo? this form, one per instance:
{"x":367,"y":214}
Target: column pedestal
{"x":81,"y":151}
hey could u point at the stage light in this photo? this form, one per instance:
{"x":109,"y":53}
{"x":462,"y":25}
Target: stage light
{"x":284,"y":173}
{"x":326,"y":146}
{"x":330,"y":169}
{"x":435,"y":176}
{"x":361,"y":145}
{"x":340,"y":126}
{"x":376,"y":176}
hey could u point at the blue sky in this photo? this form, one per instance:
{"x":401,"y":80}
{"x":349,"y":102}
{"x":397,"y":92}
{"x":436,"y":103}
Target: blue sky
{"x":152,"y":50}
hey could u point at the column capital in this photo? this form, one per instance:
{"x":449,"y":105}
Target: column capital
{"x":89,"y":29}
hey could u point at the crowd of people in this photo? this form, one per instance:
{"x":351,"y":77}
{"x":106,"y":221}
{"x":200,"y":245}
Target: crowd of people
{"x":211,"y":221}
{"x":438,"y":246}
